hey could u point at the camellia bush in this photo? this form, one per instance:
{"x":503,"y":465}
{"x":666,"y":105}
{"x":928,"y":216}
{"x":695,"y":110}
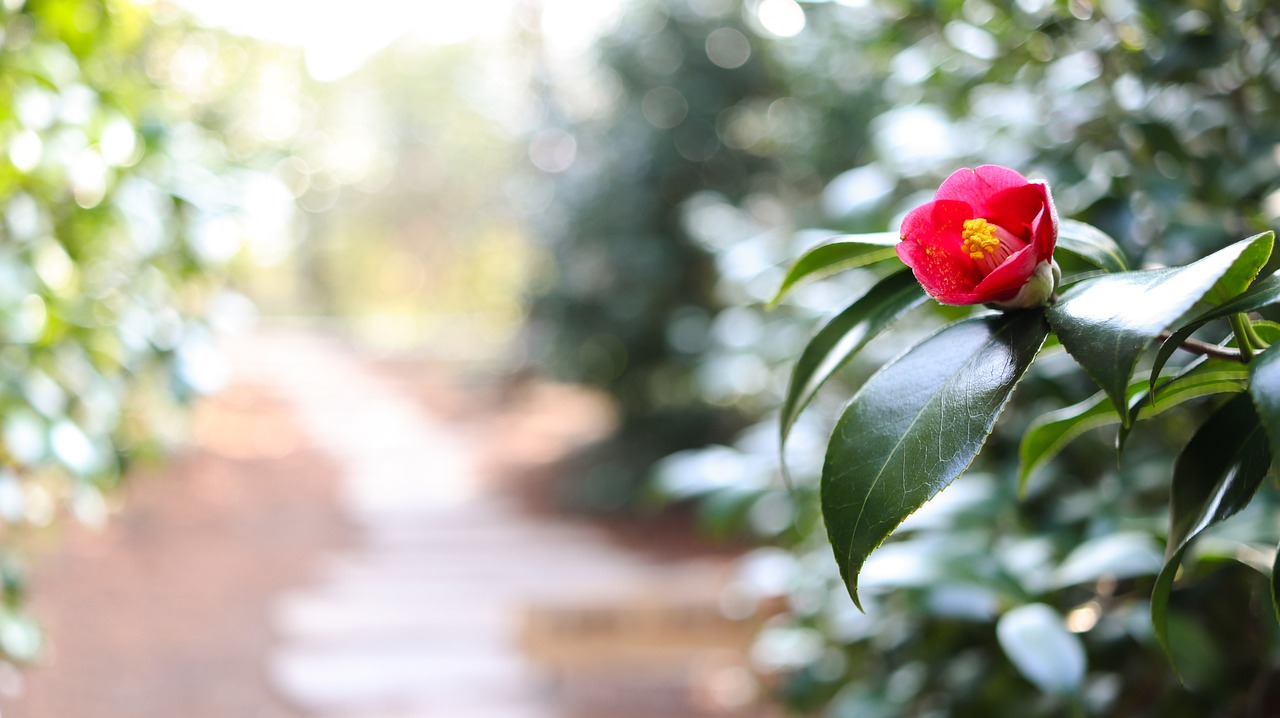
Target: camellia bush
{"x":992,"y":238}
{"x":1153,"y":122}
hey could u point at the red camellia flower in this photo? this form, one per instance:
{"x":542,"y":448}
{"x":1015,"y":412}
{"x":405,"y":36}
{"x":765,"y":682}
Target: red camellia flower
{"x":986,"y":238}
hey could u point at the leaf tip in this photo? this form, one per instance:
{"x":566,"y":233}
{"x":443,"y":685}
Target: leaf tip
{"x":1126,"y":421}
{"x":1024,"y":479}
{"x":857,"y":602}
{"x":1160,"y":605}
{"x":1122,"y":436}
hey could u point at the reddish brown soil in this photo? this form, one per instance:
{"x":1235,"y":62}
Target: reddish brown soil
{"x":164,"y":613}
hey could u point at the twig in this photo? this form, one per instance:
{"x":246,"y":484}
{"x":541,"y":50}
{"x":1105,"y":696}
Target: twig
{"x":1195,"y":346}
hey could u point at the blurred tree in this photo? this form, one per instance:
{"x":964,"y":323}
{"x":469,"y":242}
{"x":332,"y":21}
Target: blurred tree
{"x":634,"y":292}
{"x":402,"y":168}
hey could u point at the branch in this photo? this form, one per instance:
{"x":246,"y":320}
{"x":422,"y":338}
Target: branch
{"x":1195,"y":346}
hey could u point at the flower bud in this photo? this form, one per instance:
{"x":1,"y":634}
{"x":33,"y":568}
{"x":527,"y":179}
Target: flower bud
{"x":1038,"y":289}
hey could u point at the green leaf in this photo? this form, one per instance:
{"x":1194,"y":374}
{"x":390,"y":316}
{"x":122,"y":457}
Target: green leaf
{"x":1265,"y":292}
{"x":1251,"y":257}
{"x":842,"y":337}
{"x":1037,"y":642}
{"x":1266,"y":330}
{"x":1264,"y":387}
{"x":1214,"y":478}
{"x":1217,"y":459}
{"x":1275,"y":584}
{"x":1105,"y":322}
{"x":916,"y":425}
{"x":1202,"y":377}
{"x":1168,"y":347}
{"x":1092,"y":245}
{"x":1052,"y":432}
{"x":836,"y":255}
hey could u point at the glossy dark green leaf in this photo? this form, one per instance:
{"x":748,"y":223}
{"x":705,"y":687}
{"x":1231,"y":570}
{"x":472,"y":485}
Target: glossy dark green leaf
{"x":1214,"y":477}
{"x":916,"y":425}
{"x":1168,"y":347}
{"x":1250,"y":255}
{"x":1264,"y":293}
{"x":1203,"y":378}
{"x":1092,"y":245}
{"x":843,"y":336}
{"x":1217,"y":473}
{"x":1105,"y":322}
{"x":1264,"y":387}
{"x":840,"y":253}
{"x":1052,"y":432}
{"x":1275,"y":584}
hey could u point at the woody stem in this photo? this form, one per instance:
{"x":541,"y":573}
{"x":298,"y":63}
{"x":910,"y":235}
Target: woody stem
{"x":1195,"y":346}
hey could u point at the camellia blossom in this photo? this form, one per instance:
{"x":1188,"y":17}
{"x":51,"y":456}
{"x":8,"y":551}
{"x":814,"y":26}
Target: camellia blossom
{"x":986,"y":238}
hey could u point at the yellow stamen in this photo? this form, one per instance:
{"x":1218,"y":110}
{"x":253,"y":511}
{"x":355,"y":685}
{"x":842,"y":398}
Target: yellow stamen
{"x":979,"y":238}
{"x":988,"y":244}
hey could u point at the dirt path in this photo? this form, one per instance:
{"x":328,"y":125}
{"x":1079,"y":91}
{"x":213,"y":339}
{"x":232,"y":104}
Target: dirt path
{"x":345,"y":541}
{"x":165,"y":612}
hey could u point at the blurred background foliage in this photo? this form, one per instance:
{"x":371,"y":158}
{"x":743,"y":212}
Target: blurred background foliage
{"x":157,"y":170}
{"x":622,"y":220}
{"x":1149,"y":119}
{"x":635,"y":292}
{"x":404,"y":171}
{"x":122,"y":208}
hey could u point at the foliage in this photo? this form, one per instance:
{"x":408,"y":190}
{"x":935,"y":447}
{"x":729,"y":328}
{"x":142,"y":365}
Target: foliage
{"x":113,"y":250}
{"x":1150,"y":122}
{"x":403,"y":170}
{"x":918,"y":423}
{"x":635,"y":294}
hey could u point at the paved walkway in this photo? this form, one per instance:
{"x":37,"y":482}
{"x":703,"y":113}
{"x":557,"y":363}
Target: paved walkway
{"x":421,"y":617}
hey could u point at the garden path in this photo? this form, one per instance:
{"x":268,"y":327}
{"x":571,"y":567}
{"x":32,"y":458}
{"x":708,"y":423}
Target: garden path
{"x":421,"y":615}
{"x":345,"y":540}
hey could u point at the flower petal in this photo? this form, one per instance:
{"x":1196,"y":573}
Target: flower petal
{"x":931,"y":239}
{"x":1016,"y":209}
{"x":1044,"y":229}
{"x":976,"y":187}
{"x":1009,"y":277}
